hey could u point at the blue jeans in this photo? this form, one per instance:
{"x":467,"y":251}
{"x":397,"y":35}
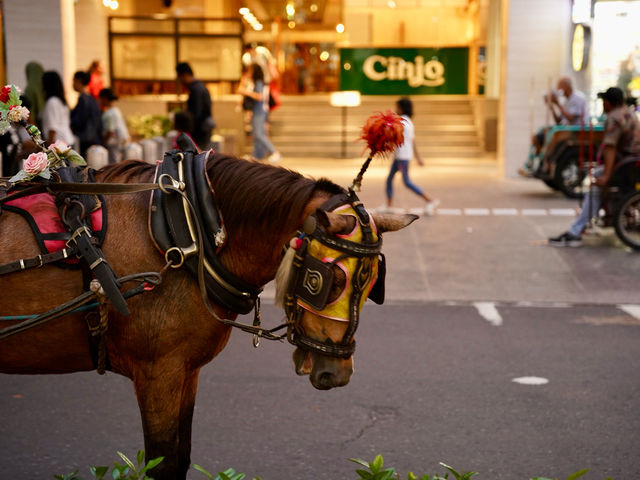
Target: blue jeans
{"x":402,"y":166}
{"x":590,"y":207}
{"x":261,"y":143}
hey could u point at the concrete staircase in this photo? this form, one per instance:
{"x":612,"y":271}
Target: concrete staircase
{"x":308,"y":126}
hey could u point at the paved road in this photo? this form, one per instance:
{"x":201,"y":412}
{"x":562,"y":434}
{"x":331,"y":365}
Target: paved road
{"x":433,"y":382}
{"x":476,"y":300}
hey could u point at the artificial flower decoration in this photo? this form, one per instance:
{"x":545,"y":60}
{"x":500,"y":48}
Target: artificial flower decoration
{"x":10,"y":108}
{"x":39,"y":164}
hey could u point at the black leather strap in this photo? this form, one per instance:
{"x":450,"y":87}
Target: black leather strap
{"x":35,"y":262}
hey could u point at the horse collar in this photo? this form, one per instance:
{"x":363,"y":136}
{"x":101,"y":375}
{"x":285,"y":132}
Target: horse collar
{"x":187,"y":227}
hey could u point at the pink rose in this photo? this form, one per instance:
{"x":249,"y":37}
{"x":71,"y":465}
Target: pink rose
{"x":60,"y":147}
{"x":36,"y":163}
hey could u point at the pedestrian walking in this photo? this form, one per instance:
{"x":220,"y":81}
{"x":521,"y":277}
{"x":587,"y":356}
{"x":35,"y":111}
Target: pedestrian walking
{"x":402,"y":157}
{"x":56,"y":123}
{"x":199,"y":104}
{"x":86,"y":117}
{"x":115,"y":133}
{"x":262,"y":146}
{"x":34,"y":92}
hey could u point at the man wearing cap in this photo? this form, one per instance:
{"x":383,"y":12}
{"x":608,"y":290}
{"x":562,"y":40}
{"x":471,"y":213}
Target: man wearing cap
{"x":621,"y":140}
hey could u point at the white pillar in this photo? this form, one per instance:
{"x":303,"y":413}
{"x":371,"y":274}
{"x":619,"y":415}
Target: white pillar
{"x":537,"y":46}
{"x":43,"y":32}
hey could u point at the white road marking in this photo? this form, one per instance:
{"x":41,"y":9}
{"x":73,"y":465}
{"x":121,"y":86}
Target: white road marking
{"x":633,"y":310}
{"x":562,"y":212}
{"x":488,"y":311}
{"x":476,"y":212}
{"x":449,"y":211}
{"x":504,"y":211}
{"x":530,"y":380}
{"x":534,"y":212}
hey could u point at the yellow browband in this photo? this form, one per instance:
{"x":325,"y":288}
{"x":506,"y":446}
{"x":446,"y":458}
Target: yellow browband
{"x":339,"y":308}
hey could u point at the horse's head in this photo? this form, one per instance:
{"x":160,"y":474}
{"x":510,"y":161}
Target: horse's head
{"x":324,"y":280}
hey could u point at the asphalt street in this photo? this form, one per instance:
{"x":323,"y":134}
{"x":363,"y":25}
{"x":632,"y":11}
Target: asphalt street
{"x":476,"y":301}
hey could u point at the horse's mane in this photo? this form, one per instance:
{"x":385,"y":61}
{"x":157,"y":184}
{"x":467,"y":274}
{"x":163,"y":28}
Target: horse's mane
{"x":254,"y":198}
{"x":262,"y":196}
{"x":128,"y":171}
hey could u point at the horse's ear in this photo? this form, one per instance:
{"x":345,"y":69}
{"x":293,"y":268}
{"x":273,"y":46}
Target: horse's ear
{"x":334,"y":223}
{"x":390,"y":222}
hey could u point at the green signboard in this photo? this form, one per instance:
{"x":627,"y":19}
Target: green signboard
{"x":405,"y":71}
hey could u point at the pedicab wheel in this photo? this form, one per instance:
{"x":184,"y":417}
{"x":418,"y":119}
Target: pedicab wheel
{"x":626,"y":220}
{"x":568,"y":175}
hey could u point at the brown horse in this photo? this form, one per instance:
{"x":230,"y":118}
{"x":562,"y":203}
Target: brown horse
{"x":170,"y":335}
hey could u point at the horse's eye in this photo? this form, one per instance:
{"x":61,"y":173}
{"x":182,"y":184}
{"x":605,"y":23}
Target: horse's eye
{"x":339,"y":282}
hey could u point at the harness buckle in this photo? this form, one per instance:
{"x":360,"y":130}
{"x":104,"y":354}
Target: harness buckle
{"x":182,"y":253}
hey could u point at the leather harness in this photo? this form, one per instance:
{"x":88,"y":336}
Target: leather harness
{"x":188,"y":229}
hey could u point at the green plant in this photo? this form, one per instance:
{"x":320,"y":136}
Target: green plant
{"x":149,"y":126}
{"x":128,"y":471}
{"x":376,"y":472}
{"x":573,"y":476}
{"x":228,"y":474}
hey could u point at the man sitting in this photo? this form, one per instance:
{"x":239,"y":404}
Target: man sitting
{"x":573,"y":111}
{"x":621,"y":140}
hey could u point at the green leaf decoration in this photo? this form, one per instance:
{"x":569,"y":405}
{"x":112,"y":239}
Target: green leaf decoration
{"x":19,"y":177}
{"x":46,"y":173}
{"x":14,"y":98}
{"x":75,"y":158}
{"x":140,"y":457}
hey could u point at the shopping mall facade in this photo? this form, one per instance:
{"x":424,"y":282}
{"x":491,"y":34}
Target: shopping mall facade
{"x":497,"y":56}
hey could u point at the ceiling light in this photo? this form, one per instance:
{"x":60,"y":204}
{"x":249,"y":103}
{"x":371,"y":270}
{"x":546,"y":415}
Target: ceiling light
{"x":244,"y":11}
{"x":340,"y":28}
{"x":324,"y":56}
{"x":291,"y":24}
{"x":290,"y":9}
{"x":313,"y":7}
{"x":114,"y":5}
{"x":106,"y":3}
{"x":257,"y":26}
{"x":391,"y":3}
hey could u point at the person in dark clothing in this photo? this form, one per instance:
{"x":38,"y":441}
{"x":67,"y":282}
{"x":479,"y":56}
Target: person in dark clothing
{"x":86,"y":117}
{"x":198,"y":104}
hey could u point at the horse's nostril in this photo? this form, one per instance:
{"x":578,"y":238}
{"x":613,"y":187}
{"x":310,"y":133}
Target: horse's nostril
{"x":326,"y":378}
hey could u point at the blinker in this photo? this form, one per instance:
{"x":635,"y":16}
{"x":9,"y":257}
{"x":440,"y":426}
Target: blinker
{"x":317,"y":280}
{"x":376,"y":294}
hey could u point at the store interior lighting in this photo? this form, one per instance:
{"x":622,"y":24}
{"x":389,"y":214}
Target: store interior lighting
{"x":250,"y":18}
{"x":112,"y":4}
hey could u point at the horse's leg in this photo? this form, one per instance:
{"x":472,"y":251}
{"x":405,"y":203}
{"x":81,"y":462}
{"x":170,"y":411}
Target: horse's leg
{"x":166,"y":398}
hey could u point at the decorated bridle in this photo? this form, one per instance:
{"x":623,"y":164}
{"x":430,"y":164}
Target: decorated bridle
{"x":317,"y":253}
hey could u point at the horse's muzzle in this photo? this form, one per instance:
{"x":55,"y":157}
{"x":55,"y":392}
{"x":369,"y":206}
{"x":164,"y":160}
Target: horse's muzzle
{"x":324,"y":372}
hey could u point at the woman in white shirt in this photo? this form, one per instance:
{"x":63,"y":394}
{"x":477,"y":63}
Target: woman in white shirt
{"x":56,"y":123}
{"x":403,"y":155}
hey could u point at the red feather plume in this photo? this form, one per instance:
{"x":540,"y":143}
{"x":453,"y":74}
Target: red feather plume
{"x":383,"y":132}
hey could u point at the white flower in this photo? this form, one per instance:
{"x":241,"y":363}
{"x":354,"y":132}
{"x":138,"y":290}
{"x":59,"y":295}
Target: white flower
{"x":17,"y":114}
{"x":4,"y":126}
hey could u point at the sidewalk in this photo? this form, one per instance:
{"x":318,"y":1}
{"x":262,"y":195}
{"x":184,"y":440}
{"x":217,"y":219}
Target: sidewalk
{"x":488,"y":241}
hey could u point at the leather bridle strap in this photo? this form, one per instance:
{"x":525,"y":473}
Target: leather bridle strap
{"x":82,"y":188}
